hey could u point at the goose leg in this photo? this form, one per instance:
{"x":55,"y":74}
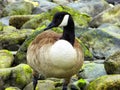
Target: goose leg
{"x":65,"y":84}
{"x":35,"y":80}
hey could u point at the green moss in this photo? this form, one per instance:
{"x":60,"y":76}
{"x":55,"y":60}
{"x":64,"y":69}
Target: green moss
{"x":107,"y":82}
{"x":12,"y":88}
{"x":80,"y":83}
{"x":27,"y":69}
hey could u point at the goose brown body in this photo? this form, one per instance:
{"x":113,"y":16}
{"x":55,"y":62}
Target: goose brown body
{"x":38,"y":56}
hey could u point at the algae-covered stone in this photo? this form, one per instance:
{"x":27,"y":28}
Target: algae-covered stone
{"x":12,"y":88}
{"x":11,"y":38}
{"x":18,"y":8}
{"x":112,"y":63}
{"x":111,"y":15}
{"x":91,"y":7}
{"x":107,"y":82}
{"x":42,"y":85}
{"x":18,"y":20}
{"x":6,"y":58}
{"x":102,"y":41}
{"x":80,"y":19}
{"x":18,"y":76}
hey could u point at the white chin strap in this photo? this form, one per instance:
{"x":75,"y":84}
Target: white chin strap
{"x":65,"y":20}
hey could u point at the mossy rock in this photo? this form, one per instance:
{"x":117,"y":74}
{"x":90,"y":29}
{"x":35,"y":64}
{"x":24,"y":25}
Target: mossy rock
{"x":17,"y":76}
{"x":107,"y":82}
{"x":79,"y":18}
{"x":12,"y":88}
{"x":11,"y":38}
{"x":18,"y":8}
{"x":112,"y":63}
{"x":102,"y":41}
{"x":110,"y":15}
{"x":18,"y":20}
{"x":6,"y":58}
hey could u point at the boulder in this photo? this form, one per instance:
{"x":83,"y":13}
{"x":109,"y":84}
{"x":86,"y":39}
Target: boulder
{"x":112,"y":63}
{"x":103,"y":41}
{"x":44,"y":6}
{"x":91,"y":7}
{"x":18,"y":20}
{"x":42,"y":85}
{"x":11,"y":38}
{"x":6,"y":59}
{"x":18,"y":8}
{"x":111,"y":15}
{"x":107,"y":82}
{"x":18,"y":76}
{"x":91,"y":71}
{"x":80,"y":19}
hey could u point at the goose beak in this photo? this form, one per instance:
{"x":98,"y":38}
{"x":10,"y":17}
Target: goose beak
{"x":51,"y":25}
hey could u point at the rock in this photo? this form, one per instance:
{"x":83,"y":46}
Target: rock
{"x":6,"y":59}
{"x":5,"y":20}
{"x":80,"y":19}
{"x":12,"y":88}
{"x":18,"y":20}
{"x":112,"y":63}
{"x":103,"y":41}
{"x":107,"y":82}
{"x":91,"y":71}
{"x":11,"y":38}
{"x":42,"y":85}
{"x":91,"y":7}
{"x":18,"y":76}
{"x":44,"y":6}
{"x":111,"y":15}
{"x":18,"y":8}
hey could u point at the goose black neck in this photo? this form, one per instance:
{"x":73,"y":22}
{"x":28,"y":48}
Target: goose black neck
{"x":69,"y":33}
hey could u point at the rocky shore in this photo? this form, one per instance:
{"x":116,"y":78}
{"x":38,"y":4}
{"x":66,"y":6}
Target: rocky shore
{"x":97,"y":24}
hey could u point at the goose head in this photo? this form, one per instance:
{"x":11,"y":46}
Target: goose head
{"x":61,"y":19}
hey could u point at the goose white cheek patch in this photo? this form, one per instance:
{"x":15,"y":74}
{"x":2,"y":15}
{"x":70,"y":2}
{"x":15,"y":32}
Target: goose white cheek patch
{"x":65,"y":20}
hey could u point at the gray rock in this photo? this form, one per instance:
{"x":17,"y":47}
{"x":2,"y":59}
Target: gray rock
{"x":91,"y":7}
{"x":44,"y":6}
{"x":18,"y":76}
{"x":107,"y":82}
{"x":91,"y":71}
{"x":103,"y":41}
{"x":6,"y":59}
{"x":5,"y":20}
{"x":112,"y":63}
{"x":111,"y":15}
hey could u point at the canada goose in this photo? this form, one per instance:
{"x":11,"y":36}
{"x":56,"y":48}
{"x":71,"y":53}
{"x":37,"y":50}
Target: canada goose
{"x":56,"y":55}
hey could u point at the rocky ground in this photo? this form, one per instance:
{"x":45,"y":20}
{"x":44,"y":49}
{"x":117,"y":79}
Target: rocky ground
{"x":97,"y":24}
